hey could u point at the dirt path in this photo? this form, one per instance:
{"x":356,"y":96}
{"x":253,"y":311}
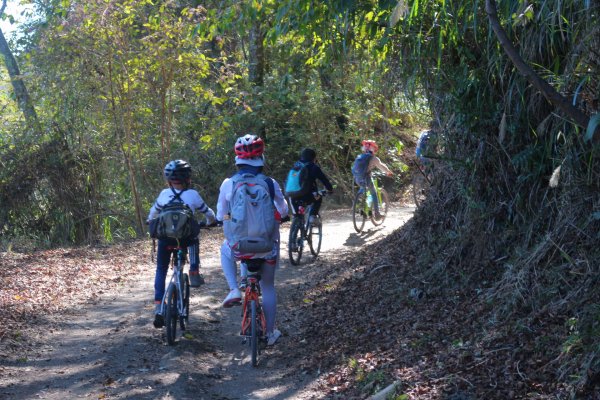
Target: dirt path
{"x":109,"y":350}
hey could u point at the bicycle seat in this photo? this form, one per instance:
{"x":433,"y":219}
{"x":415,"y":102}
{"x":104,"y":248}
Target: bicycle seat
{"x":254,"y":264}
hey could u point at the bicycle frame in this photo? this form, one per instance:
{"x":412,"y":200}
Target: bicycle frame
{"x":301,"y":214}
{"x":368,"y":207}
{"x":252,"y":293}
{"x":176,"y":278}
{"x":254,"y":323}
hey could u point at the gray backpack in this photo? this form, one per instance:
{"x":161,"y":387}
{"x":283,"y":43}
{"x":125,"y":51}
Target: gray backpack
{"x":251,"y":227}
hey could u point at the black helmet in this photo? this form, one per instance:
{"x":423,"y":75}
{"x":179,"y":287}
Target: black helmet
{"x":178,"y":171}
{"x":308,"y":155}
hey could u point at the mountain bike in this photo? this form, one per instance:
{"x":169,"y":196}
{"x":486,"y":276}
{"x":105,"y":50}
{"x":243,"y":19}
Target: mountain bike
{"x":362,"y":206}
{"x":254,"y":325}
{"x":421,"y":182}
{"x":175,"y":303}
{"x":303,"y":231}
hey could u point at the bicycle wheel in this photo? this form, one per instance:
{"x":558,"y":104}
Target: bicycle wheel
{"x":254,"y":332}
{"x":171,"y":315}
{"x":420,"y":184}
{"x":315,"y":236}
{"x":359,"y":216}
{"x":295,"y":242}
{"x":383,"y":208}
{"x":186,"y":300}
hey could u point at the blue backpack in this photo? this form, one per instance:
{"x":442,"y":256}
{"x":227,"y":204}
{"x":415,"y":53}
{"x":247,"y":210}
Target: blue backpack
{"x":360,"y":168}
{"x":297,"y":183}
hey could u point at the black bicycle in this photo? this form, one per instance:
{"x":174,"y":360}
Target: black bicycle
{"x":421,"y":181}
{"x":303,"y":231}
{"x":175,"y":303}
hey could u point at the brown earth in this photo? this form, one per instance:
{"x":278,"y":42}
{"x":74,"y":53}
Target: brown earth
{"x":76,"y":323}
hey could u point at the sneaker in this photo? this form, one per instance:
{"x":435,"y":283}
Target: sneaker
{"x":196,"y":279}
{"x":272,"y":337}
{"x":159,"y":320}
{"x":243,"y":283}
{"x":376,"y":214}
{"x":233,"y":298}
{"x":314,"y":220}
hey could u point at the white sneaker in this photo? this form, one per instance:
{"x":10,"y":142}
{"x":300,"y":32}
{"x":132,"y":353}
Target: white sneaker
{"x":234,"y":297}
{"x":272,"y":337}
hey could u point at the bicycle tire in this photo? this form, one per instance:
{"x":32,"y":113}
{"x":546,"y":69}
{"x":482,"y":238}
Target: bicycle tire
{"x":358,"y":211}
{"x":254,"y":333}
{"x":383,"y":208}
{"x":295,"y":242}
{"x":186,"y":299}
{"x":419,"y":188}
{"x":171,"y":314}
{"x":315,"y":232}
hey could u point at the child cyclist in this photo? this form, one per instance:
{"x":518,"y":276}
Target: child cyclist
{"x":362,"y":175}
{"x":308,"y":157}
{"x":178,"y":175}
{"x":249,"y":160}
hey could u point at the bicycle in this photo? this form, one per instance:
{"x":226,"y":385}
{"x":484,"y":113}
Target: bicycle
{"x":421,"y":182}
{"x":302,"y":230}
{"x":175,"y":304}
{"x":362,"y":206}
{"x":254,"y":325}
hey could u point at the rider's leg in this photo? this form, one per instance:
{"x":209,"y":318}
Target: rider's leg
{"x":163,"y":257}
{"x":196,"y":279}
{"x":371,"y":187}
{"x":228,"y":265}
{"x":267,"y":286}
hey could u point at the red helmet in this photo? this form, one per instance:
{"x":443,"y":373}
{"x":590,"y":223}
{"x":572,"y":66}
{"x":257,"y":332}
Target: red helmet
{"x":370,"y":145}
{"x":249,"y":146}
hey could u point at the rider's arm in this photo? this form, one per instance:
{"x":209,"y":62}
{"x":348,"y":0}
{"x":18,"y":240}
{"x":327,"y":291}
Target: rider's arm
{"x":162,"y":199}
{"x":279,"y":200}
{"x":376,"y":163}
{"x":320,"y":175}
{"x":223,"y":201}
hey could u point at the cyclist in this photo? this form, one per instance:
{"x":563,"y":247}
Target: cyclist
{"x":178,"y":175}
{"x":421,"y":149}
{"x":250,"y":160}
{"x":362,"y":167}
{"x":308,"y":157}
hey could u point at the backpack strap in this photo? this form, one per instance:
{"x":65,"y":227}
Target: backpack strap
{"x":176,"y":196}
{"x":268,"y":181}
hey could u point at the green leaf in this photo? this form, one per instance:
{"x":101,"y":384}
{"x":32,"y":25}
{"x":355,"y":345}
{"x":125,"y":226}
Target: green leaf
{"x":591,"y":128}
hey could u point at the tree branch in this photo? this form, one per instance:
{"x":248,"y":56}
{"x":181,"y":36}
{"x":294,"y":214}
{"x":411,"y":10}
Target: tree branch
{"x":555,"y":98}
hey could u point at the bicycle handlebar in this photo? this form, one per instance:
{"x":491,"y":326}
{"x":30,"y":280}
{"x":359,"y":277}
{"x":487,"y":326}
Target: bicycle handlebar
{"x":204,"y":225}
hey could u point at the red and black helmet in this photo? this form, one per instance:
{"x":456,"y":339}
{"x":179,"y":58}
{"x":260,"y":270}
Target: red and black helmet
{"x":249,"y":146}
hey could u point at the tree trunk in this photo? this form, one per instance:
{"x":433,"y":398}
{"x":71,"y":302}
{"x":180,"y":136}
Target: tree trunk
{"x":23,"y":99}
{"x":555,"y":98}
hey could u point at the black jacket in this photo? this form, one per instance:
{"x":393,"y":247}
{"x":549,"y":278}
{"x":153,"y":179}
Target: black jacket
{"x":314,"y":173}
